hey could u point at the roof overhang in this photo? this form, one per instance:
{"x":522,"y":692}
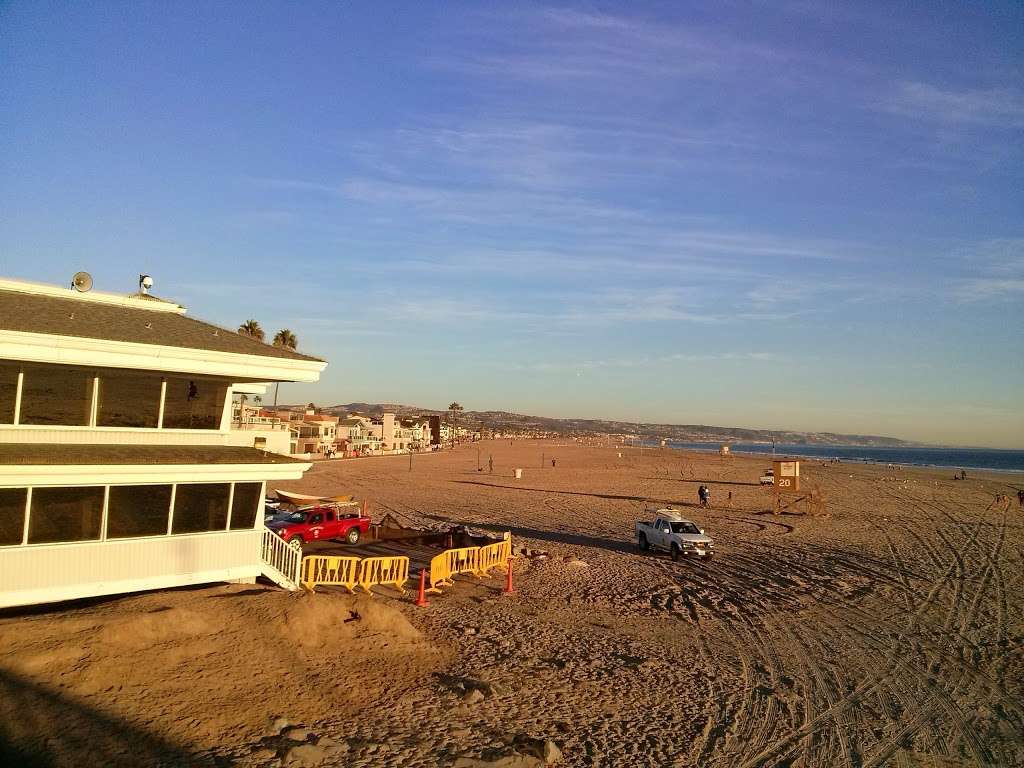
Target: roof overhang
{"x":75,"y":350}
{"x":146,"y":474}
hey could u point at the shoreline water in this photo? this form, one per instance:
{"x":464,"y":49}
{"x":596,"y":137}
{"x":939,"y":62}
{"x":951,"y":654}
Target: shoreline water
{"x":976,"y":459}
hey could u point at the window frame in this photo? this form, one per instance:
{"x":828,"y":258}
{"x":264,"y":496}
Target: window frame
{"x":223,"y":423}
{"x":105,"y":514}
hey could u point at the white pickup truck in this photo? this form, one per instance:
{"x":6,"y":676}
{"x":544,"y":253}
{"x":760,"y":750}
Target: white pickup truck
{"x":675,"y":534}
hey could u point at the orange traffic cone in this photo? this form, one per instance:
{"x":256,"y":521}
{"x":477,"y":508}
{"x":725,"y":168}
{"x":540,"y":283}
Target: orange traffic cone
{"x":421,"y":600}
{"x":508,"y":580}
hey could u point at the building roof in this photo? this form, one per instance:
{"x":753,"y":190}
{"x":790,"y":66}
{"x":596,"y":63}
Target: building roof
{"x":140,"y":319}
{"x":319,"y":417}
{"x":39,"y":454}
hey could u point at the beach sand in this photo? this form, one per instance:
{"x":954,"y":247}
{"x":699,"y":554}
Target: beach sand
{"x":886,"y":632}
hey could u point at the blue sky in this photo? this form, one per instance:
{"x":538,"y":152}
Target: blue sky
{"x":796,"y":215}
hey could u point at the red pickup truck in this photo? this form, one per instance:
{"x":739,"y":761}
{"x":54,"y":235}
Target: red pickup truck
{"x":320,"y":523}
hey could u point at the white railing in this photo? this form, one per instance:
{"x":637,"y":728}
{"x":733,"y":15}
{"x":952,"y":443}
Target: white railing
{"x":282,"y":561}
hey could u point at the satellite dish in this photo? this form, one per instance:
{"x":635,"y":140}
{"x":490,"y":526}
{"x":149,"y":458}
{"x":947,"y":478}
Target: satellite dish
{"x":81,"y":282}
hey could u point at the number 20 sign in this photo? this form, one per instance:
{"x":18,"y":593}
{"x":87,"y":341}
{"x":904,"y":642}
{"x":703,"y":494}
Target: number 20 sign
{"x":787,"y":475}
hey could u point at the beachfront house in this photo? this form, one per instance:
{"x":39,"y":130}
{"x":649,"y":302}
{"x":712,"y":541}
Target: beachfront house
{"x":317,"y":433}
{"x":119,"y":468}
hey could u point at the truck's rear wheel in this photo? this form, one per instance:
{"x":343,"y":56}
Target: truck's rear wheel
{"x":352,"y":537}
{"x":642,"y":543}
{"x":675,"y":551}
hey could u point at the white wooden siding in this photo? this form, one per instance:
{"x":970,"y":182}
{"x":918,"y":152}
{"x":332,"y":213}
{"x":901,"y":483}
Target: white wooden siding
{"x":52,"y":572}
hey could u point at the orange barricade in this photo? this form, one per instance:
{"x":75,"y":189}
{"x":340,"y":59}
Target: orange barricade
{"x":319,"y":570}
{"x":450,"y":563}
{"x":393,"y":571}
{"x":494,"y":556}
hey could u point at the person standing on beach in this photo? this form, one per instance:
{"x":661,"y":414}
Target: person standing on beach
{"x":490,"y":464}
{"x":1020,"y":498}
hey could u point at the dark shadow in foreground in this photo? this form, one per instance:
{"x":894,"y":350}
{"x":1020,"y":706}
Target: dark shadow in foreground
{"x":552,"y":492}
{"x":43,"y":728}
{"x":557,"y":537}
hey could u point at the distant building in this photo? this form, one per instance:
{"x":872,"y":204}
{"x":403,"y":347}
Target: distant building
{"x":315,"y":434}
{"x":119,"y":467}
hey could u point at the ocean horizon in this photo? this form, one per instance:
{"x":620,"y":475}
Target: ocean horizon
{"x":987,"y":459}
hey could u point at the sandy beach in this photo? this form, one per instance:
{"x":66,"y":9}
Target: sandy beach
{"x":886,"y":632}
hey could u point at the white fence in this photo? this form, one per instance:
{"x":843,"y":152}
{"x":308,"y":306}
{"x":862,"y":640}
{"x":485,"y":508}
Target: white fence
{"x":282,"y":561}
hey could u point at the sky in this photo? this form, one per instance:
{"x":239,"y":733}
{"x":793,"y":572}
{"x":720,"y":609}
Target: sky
{"x":795,"y":215}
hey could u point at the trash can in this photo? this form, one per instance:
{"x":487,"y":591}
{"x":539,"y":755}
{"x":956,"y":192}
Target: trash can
{"x":519,"y":474}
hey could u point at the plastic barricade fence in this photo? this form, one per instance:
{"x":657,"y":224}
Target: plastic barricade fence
{"x":450,"y":563}
{"x":392,"y":571}
{"x":439,"y":575}
{"x":494,"y":555}
{"x":320,"y":570}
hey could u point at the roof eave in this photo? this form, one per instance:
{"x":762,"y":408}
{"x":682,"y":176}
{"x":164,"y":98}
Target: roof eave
{"x":103,"y":353}
{"x":128,"y":474}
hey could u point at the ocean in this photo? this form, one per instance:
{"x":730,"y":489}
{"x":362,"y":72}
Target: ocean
{"x":953,"y":458}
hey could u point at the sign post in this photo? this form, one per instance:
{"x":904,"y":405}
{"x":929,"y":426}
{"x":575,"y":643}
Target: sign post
{"x":786,"y":474}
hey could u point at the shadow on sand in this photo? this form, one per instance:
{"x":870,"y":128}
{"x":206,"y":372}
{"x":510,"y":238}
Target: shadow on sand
{"x":43,"y":728}
{"x":551,"y":492}
{"x":537,"y":534}
{"x":703,"y":482}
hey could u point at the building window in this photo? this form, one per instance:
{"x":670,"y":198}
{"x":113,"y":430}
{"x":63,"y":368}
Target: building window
{"x":8,"y":391}
{"x":194,"y":403}
{"x":12,"y":515}
{"x":128,"y":400}
{"x":56,"y":395}
{"x":138,"y":510}
{"x":245,"y":505}
{"x":65,"y":514}
{"x":201,"y":507}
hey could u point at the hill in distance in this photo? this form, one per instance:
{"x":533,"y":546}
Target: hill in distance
{"x":504,"y":421}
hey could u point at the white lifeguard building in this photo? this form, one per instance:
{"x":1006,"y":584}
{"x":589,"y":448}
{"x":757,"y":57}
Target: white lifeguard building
{"x":119,"y":470}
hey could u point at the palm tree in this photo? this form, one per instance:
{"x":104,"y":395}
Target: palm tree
{"x":453,"y":418}
{"x":286,"y":340}
{"x":251,"y":328}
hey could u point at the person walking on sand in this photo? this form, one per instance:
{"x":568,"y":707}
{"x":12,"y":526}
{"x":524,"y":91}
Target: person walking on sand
{"x":1020,"y":498}
{"x":490,"y":464}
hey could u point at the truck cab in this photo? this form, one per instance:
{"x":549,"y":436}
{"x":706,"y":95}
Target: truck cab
{"x":320,"y":523}
{"x":673,"y":533}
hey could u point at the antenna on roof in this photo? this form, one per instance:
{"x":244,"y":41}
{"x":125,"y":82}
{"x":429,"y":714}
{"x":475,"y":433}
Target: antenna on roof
{"x":81,"y":282}
{"x":145,"y":283}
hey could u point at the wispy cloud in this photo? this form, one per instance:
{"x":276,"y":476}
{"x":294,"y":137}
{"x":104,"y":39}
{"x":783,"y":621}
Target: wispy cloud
{"x":585,"y":366}
{"x":996,"y":107}
{"x":994,"y":271}
{"x":563,"y":45}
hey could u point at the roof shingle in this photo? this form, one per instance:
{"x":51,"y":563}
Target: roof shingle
{"x":33,"y":313}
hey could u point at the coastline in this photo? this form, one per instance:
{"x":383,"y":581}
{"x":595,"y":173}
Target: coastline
{"x":837,"y":451}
